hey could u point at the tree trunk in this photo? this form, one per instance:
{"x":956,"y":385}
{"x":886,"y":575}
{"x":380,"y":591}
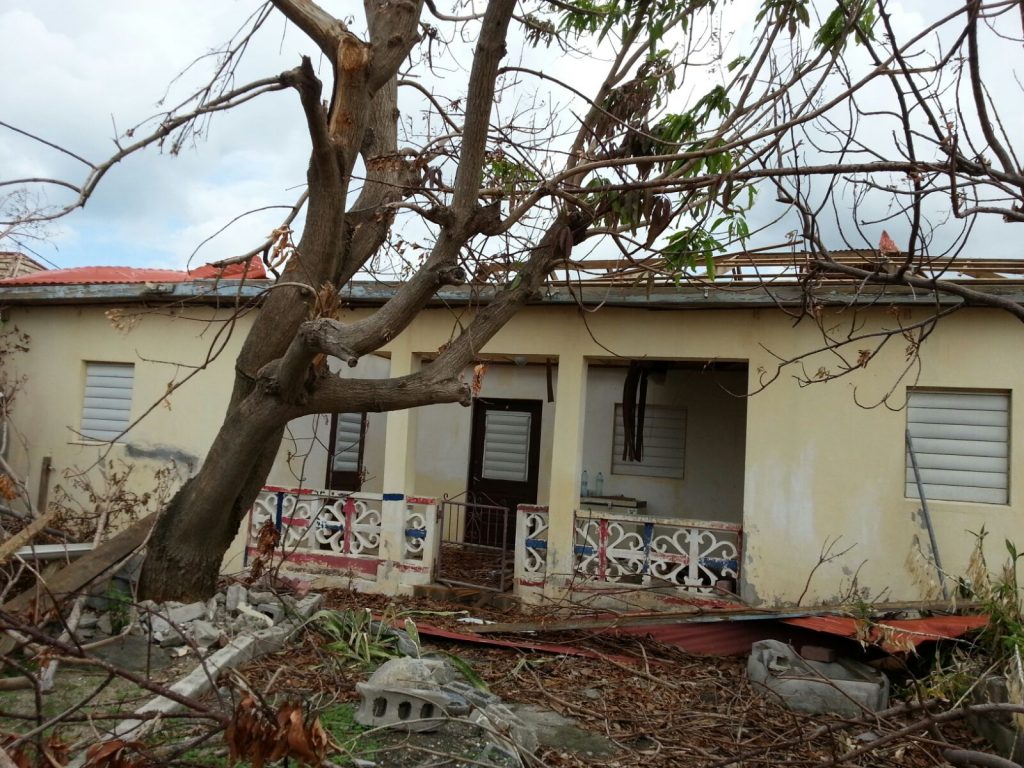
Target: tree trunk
{"x":189,"y":540}
{"x":277,"y":377}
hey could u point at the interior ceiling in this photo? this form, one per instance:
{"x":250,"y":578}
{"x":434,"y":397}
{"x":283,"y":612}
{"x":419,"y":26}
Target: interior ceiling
{"x":619,"y":362}
{"x":676,"y":365}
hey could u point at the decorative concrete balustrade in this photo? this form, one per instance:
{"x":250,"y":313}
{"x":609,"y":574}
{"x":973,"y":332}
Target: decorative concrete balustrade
{"x":344,"y":534}
{"x":693,"y":555}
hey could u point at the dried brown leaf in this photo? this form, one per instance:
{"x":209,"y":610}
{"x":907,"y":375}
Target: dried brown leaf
{"x":116,"y":753}
{"x":479,"y":370}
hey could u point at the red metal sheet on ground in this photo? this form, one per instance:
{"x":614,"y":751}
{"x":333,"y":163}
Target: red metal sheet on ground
{"x":896,"y":634}
{"x":721,"y":638}
{"x":565,"y":650}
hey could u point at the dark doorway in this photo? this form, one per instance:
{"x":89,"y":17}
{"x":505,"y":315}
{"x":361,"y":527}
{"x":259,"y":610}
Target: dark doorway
{"x":345,"y":454}
{"x":503,"y":461}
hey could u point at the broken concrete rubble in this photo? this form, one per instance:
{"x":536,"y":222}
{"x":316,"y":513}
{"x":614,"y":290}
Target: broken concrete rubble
{"x":236,"y":593}
{"x":200,"y":625}
{"x":238,"y":650}
{"x":204,"y":634}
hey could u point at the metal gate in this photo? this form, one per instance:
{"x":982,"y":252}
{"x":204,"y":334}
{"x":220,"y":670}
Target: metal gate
{"x":476,"y":547}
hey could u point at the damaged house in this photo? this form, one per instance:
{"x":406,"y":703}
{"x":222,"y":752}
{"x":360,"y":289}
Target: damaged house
{"x":630,"y":445}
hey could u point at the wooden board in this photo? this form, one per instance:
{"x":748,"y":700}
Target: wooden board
{"x":71,"y":579}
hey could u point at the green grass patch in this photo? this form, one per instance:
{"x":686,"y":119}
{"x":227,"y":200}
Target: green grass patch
{"x":354,"y":742}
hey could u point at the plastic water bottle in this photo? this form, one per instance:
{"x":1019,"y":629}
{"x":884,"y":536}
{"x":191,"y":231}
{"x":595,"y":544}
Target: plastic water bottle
{"x":599,"y":484}
{"x":584,"y":484}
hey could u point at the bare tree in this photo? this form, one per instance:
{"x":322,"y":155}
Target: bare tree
{"x":668,"y":164}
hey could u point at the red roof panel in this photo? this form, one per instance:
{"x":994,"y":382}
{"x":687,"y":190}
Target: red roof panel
{"x":895,"y":634}
{"x":107,"y":275}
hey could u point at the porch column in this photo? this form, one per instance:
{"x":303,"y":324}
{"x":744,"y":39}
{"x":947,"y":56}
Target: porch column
{"x":399,"y":473}
{"x":566,"y":465}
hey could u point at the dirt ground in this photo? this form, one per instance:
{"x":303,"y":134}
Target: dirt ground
{"x":668,"y":708}
{"x":639,"y":703}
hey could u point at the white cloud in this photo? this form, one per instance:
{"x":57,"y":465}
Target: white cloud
{"x":75,"y":65}
{"x":80,"y":64}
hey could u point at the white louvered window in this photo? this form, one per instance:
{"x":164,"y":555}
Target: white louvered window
{"x":107,"y":408}
{"x":961,"y":441}
{"x":664,"y":447}
{"x":346,"y":442}
{"x":507,"y":446}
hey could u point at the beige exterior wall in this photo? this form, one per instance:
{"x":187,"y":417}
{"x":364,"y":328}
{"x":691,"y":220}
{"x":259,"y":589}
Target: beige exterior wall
{"x":163,"y":346}
{"x":817,"y":465}
{"x":48,"y":410}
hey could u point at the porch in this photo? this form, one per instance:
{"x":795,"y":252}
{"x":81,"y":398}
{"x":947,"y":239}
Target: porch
{"x":344,"y":539}
{"x":532,"y":490}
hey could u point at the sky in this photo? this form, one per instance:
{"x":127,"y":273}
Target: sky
{"x":80,"y":73}
{"x":85,"y":67}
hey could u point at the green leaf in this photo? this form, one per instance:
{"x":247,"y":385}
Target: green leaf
{"x":709,"y":262}
{"x":739,"y":61}
{"x":857,"y":15}
{"x":465,"y":670}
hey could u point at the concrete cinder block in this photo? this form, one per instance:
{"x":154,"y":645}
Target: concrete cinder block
{"x":845,"y":687}
{"x":180,"y":613}
{"x":476,"y":697}
{"x":406,"y":693}
{"x":819,"y":653}
{"x":409,"y":709}
{"x":308,"y":605}
{"x":236,"y":594}
{"x":412,"y":673}
{"x":274,"y":610}
{"x":998,"y":728}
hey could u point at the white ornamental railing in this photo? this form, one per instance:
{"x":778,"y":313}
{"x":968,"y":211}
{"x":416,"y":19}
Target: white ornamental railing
{"x":642,"y":549}
{"x":694,"y":555}
{"x":531,"y":545}
{"x":341,"y":531}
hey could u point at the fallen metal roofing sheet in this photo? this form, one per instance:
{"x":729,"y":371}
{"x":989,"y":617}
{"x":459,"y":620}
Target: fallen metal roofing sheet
{"x":894,"y":635}
{"x":430,"y":630}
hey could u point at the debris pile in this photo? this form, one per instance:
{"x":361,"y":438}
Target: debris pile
{"x":233,"y":611}
{"x":421,"y":695}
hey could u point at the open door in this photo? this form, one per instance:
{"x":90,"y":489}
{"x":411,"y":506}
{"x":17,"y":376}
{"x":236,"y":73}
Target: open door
{"x":345,"y":464}
{"x":504,"y":456}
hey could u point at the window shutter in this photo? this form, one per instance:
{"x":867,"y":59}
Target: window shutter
{"x":507,"y":446}
{"x":107,"y":408}
{"x":346,"y":442}
{"x":664,"y":443}
{"x":962,"y":445}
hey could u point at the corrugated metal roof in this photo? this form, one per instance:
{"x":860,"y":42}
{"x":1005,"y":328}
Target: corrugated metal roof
{"x":15,"y":263}
{"x":896,"y":634}
{"x":125,"y":275}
